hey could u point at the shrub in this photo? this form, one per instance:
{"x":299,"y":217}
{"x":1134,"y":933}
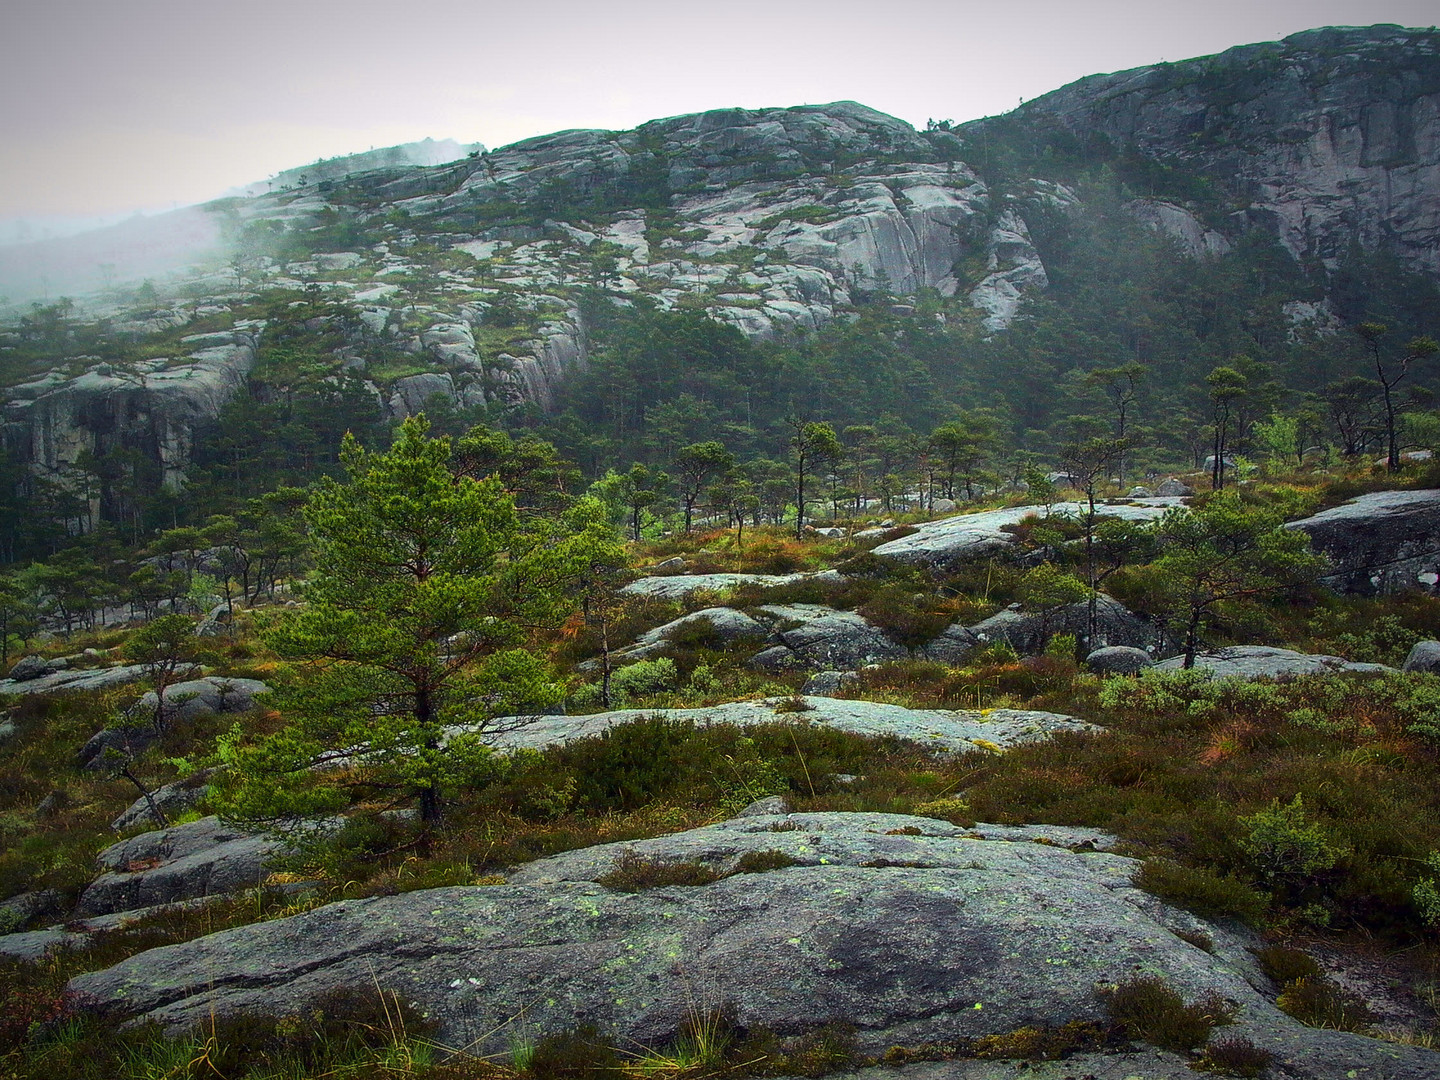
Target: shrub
{"x":1321,"y":1002}
{"x":1284,"y":965}
{"x":1235,"y":1056}
{"x":759,"y":862}
{"x":635,"y":873}
{"x":1147,"y":1008}
{"x":1201,"y":890}
{"x":573,"y":1055}
{"x":1284,"y":848}
{"x":1037,"y":1043}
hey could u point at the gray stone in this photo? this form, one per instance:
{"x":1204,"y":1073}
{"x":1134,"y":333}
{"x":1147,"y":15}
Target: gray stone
{"x":952,"y":646}
{"x":827,"y":683}
{"x":1029,"y":631}
{"x":943,"y":730}
{"x":198,"y":859}
{"x":966,"y":537}
{"x":1174,"y":488}
{"x":29,"y":907}
{"x":900,"y":926}
{"x":1381,"y":543}
{"x":1425,"y":656}
{"x":171,"y":799}
{"x":676,"y":587}
{"x":202,"y":697}
{"x":1264,"y":661}
{"x":766,"y":807}
{"x":34,"y":945}
{"x":76,"y":680}
{"x":827,"y":639}
{"x":1140,"y":493}
{"x":30,"y":667}
{"x":7,"y":730}
{"x":1119,"y":660}
{"x":215,"y":622}
{"x":723,"y":624}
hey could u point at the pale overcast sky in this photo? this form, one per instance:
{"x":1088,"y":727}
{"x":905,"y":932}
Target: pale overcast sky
{"x":109,"y":106}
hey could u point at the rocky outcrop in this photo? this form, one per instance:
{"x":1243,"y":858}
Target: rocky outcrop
{"x":170,"y":799}
{"x":1424,"y":657}
{"x":1329,"y":138}
{"x":677,"y":586}
{"x":1263,"y":661}
{"x":153,"y":406}
{"x":718,"y":624}
{"x":74,"y":679}
{"x":1029,"y":631}
{"x":909,"y":929}
{"x":943,"y":730}
{"x":955,"y":540}
{"x":199,"y":859}
{"x":1381,"y":543}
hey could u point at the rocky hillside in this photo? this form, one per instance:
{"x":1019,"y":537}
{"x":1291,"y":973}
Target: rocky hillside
{"x":465,"y":286}
{"x":1328,"y":139}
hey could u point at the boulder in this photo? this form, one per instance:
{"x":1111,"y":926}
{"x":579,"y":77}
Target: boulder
{"x":201,"y":858}
{"x":1380,"y":543}
{"x":33,"y":946}
{"x":908,"y":929}
{"x":1119,"y":660}
{"x":942,"y":730}
{"x":1138,"y":492}
{"x":956,"y":540}
{"x":202,"y":697}
{"x":826,"y":639}
{"x":827,"y":683}
{"x":1029,"y":631}
{"x":1264,"y":661}
{"x":675,"y":587}
{"x":1173,"y":488}
{"x":171,"y":799}
{"x":1425,"y":656}
{"x":30,"y":907}
{"x":215,"y":622}
{"x":30,"y":667}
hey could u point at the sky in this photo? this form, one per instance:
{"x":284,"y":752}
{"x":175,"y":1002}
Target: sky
{"x":108,"y":107}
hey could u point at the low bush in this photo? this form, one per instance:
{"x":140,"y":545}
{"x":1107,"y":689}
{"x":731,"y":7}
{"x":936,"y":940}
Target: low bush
{"x":635,"y":873}
{"x":1201,"y":890}
{"x":1235,"y":1056}
{"x":1147,"y":1008}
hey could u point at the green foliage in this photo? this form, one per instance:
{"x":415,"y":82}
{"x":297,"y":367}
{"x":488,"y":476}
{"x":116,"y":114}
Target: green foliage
{"x":1286,"y":849}
{"x":1201,"y":890}
{"x":412,"y":626}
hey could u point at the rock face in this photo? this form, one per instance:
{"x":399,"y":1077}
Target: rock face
{"x":944,"y":730}
{"x":719,"y":623}
{"x":201,"y":697}
{"x":154,"y":406}
{"x":966,"y":537}
{"x":199,"y":859}
{"x":676,"y":586}
{"x":171,"y":799}
{"x":910,"y":929}
{"x":1380,"y":543}
{"x":1263,"y":661}
{"x":1331,"y":136}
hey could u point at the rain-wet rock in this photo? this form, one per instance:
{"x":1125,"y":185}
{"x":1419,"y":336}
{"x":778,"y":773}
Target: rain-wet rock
{"x":1119,"y":660}
{"x":1424,"y":656}
{"x":1264,"y":661}
{"x":1380,"y":543}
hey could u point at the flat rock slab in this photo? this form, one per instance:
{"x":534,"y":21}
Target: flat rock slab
{"x":72,"y":680}
{"x":839,"y":839}
{"x":197,"y":859}
{"x":678,"y":586}
{"x":954,"y":540}
{"x":1263,"y":661}
{"x":946,"y":730}
{"x":944,"y":937}
{"x":1380,"y":543}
